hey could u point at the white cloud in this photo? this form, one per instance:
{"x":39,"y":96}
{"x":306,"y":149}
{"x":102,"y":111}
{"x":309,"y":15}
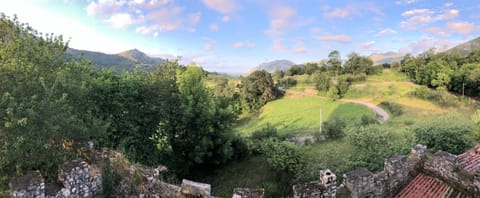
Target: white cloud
{"x":105,"y":7}
{"x":338,"y":13}
{"x":213,"y":27}
{"x":386,"y":31}
{"x":335,"y":38}
{"x":155,"y":34}
{"x":299,"y":50}
{"x":222,"y":6}
{"x":449,"y":4}
{"x":366,"y":47}
{"x":278,"y":44}
{"x":148,"y":15}
{"x":225,"y":18}
{"x":448,"y":14}
{"x":120,"y":20}
{"x":208,"y":47}
{"x":464,"y":28}
{"x":282,"y":20}
{"x":351,"y":9}
{"x":405,"y":1}
{"x":194,"y":18}
{"x":418,"y":18}
{"x":242,"y":44}
{"x":426,"y":43}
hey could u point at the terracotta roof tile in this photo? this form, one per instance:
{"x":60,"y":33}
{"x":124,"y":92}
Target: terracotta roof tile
{"x":423,"y":186}
{"x":470,"y":161}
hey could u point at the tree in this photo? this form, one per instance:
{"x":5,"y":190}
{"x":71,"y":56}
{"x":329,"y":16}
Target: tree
{"x":45,"y":112}
{"x":257,"y":89}
{"x":333,"y":93}
{"x":198,"y":135}
{"x":322,"y":81}
{"x":334,"y":61}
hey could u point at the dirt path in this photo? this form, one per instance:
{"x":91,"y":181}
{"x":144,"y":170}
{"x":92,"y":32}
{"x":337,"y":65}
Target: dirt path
{"x":373,"y":107}
{"x":310,"y":92}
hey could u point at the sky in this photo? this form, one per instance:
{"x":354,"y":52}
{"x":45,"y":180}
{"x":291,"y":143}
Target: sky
{"x":234,"y":36}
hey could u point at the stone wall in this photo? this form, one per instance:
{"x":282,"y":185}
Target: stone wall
{"x":445,"y":166}
{"x":28,"y":185}
{"x":398,"y":171}
{"x":325,"y":187}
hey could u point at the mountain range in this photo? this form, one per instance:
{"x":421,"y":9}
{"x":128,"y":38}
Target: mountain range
{"x":134,"y":58}
{"x":388,"y":57}
{"x":466,"y":48}
{"x":127,"y":60}
{"x":274,"y":65}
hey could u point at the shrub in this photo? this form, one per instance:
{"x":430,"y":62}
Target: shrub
{"x":444,"y":136}
{"x":368,"y":119}
{"x":394,"y":108}
{"x":284,"y":156}
{"x":440,"y":97}
{"x":333,"y":93}
{"x":334,"y":128}
{"x":266,"y":132}
{"x":110,"y":179}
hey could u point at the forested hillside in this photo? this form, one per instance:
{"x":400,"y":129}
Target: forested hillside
{"x":123,"y":61}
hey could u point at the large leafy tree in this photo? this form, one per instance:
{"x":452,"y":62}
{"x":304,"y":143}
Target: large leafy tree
{"x":200,"y":136}
{"x":257,"y":89}
{"x":45,"y":114}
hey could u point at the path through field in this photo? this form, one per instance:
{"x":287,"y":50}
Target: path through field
{"x":310,"y":92}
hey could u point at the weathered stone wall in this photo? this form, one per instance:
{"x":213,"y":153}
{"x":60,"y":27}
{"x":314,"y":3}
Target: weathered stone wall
{"x":29,"y":185}
{"x":325,"y":187}
{"x":248,"y":193}
{"x":445,"y":166}
{"x":398,"y":171}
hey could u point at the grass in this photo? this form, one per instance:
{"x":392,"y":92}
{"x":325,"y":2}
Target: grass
{"x":299,"y":115}
{"x":248,"y":173}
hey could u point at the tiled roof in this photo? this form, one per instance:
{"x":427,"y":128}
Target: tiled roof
{"x":424,"y":186}
{"x":470,"y":161}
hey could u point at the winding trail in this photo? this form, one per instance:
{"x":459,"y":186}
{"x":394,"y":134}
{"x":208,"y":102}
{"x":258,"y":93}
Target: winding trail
{"x":309,"y":92}
{"x":373,"y":107}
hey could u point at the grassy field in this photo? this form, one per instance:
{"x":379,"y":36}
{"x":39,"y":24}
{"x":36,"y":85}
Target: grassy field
{"x":300,"y":115}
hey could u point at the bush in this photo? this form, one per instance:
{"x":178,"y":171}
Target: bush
{"x":444,"y":136}
{"x":110,"y":179}
{"x":440,"y":97}
{"x":333,"y":128}
{"x":284,"y":156}
{"x":266,"y":132}
{"x":372,"y":144}
{"x":394,"y":108}
{"x":287,"y":82}
{"x":368,"y":119}
{"x":333,"y":93}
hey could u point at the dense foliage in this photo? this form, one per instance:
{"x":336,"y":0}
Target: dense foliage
{"x":53,"y":104}
{"x":257,"y":89}
{"x":373,"y":144}
{"x":445,"y":136}
{"x":448,"y":71}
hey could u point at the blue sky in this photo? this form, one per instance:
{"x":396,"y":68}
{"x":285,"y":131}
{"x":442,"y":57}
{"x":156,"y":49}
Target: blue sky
{"x":236,"y":35}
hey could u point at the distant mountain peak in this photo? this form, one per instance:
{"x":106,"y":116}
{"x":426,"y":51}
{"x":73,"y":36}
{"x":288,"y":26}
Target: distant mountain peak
{"x":275,"y":65}
{"x":134,"y":54}
{"x":387,"y":57}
